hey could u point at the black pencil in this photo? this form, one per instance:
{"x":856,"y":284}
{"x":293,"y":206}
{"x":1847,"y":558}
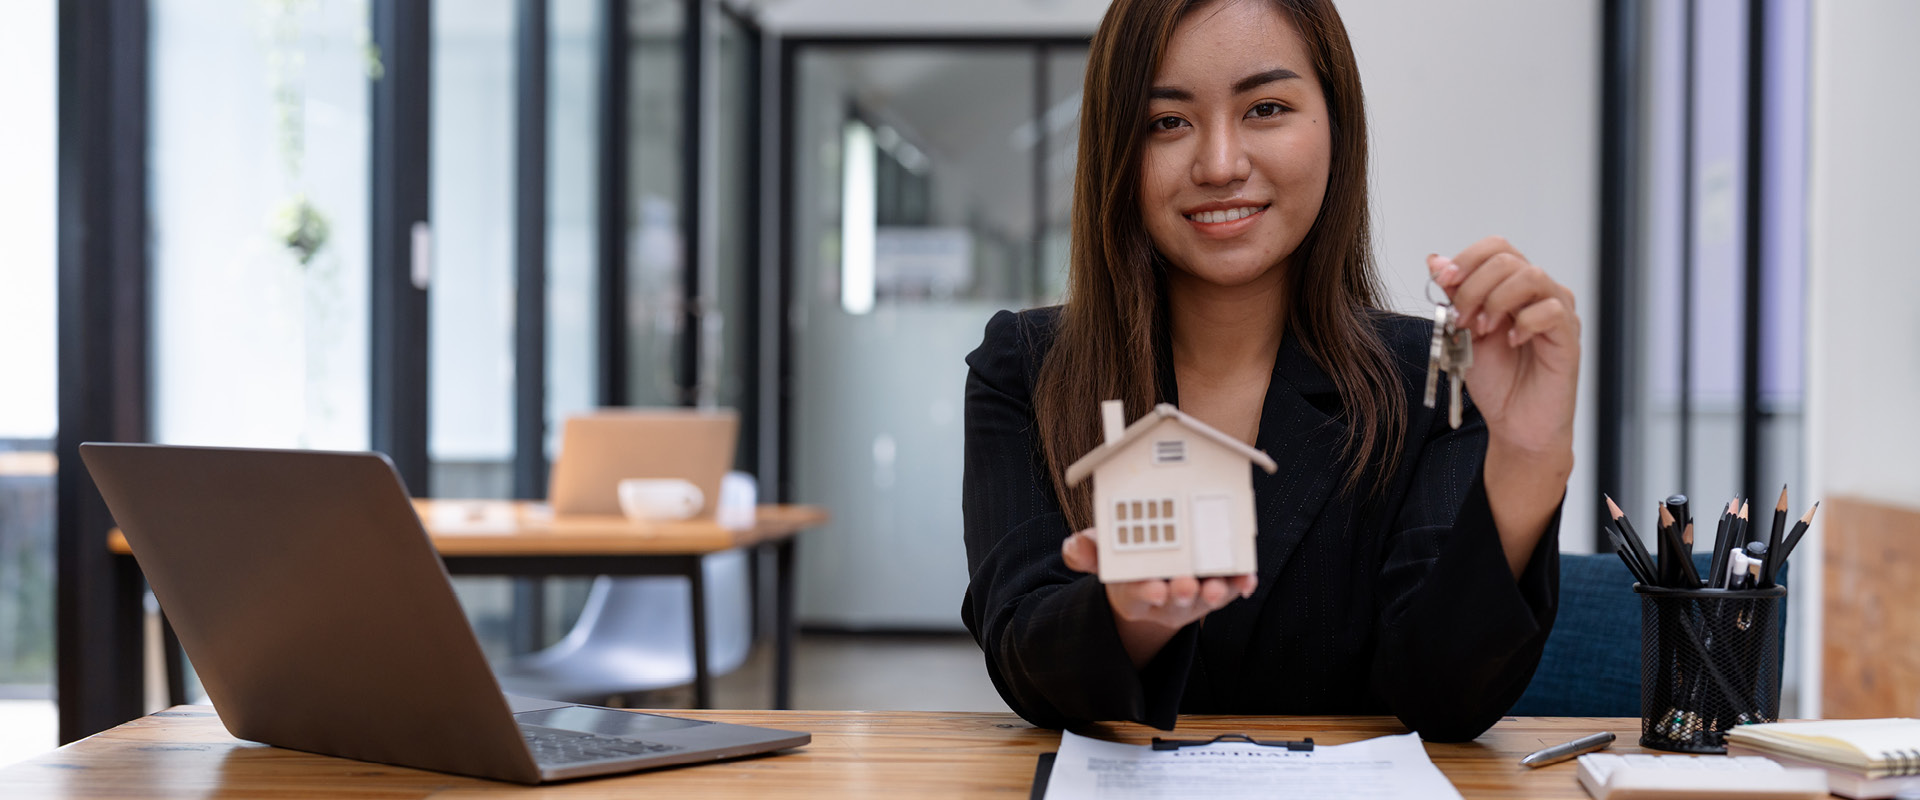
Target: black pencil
{"x":1633,"y":538}
{"x":1626,"y":555}
{"x":1799,"y":530}
{"x":1773,"y":541}
{"x":1680,"y":572}
{"x":1663,"y":544}
{"x":1686,"y":555}
{"x":1717,"y":570}
{"x":1740,"y":522}
{"x":1639,"y":552}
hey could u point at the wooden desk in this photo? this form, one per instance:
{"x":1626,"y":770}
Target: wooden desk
{"x":519,"y":538}
{"x":184,"y":752}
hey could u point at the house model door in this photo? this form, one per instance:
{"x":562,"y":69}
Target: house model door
{"x":1212,"y":532}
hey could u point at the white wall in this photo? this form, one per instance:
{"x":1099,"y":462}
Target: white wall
{"x":1483,"y":121}
{"x":1863,"y":333}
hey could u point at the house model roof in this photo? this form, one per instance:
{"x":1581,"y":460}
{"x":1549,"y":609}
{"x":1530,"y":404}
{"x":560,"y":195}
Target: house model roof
{"x":1162,"y":413}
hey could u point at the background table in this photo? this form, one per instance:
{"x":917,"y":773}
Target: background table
{"x":520,"y":538}
{"x":184,"y":752}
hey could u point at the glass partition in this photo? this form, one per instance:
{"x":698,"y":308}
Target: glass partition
{"x":916,"y":216}
{"x":259,"y":205}
{"x":470,"y":333}
{"x":28,"y":404}
{"x":658,"y":158}
{"x":573,"y":211}
{"x":726,"y":368}
{"x":1066,"y":74}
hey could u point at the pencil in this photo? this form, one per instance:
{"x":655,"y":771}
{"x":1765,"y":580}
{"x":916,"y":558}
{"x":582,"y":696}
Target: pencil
{"x":1680,"y":567}
{"x":1740,"y":524}
{"x":1633,"y":538}
{"x":1662,"y":548}
{"x":1686,"y":554}
{"x":1799,"y":530}
{"x":1626,"y":555}
{"x":1773,"y":541}
{"x":1717,"y":571}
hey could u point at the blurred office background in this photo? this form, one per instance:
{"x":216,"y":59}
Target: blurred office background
{"x":437,"y":228}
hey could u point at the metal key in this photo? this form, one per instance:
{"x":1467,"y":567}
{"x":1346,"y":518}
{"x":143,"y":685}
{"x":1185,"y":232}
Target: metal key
{"x":1459,"y":358}
{"x":1437,"y":352}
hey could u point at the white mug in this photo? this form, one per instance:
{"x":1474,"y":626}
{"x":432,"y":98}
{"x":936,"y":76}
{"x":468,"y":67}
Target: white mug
{"x":648,"y":499}
{"x":738,"y":491}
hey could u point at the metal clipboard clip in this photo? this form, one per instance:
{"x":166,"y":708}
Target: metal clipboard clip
{"x":1175,"y":744}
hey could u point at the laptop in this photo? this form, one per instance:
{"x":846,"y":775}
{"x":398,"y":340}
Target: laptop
{"x":319,"y":617}
{"x":598,"y":450}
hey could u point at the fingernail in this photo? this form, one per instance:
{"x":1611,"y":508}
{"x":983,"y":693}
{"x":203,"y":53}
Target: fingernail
{"x":1450,"y":275}
{"x":1480,"y":322}
{"x":1513,"y":338}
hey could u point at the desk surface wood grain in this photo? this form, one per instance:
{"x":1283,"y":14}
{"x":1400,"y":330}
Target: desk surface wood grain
{"x":185,"y":752}
{"x":484,"y":528}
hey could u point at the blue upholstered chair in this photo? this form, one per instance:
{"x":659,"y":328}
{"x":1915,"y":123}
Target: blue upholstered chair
{"x":1591,"y":667}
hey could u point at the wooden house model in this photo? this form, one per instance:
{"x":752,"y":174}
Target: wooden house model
{"x":1172,"y":496}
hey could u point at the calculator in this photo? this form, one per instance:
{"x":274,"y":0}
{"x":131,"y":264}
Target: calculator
{"x":1638,"y":776}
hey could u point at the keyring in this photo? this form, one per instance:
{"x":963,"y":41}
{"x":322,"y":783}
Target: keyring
{"x":1431,"y":283}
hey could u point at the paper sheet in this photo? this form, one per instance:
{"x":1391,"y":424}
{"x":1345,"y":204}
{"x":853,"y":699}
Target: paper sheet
{"x":1386,"y":767}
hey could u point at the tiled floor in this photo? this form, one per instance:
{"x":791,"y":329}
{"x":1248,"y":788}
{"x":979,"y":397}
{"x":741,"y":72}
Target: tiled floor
{"x":928,"y":673}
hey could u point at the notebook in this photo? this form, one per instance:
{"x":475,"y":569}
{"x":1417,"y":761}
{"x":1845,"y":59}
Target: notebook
{"x":1863,"y":757}
{"x":1639,"y":776}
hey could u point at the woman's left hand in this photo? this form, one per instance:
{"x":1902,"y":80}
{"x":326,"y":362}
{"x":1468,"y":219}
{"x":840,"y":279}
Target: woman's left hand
{"x":1526,"y":345}
{"x":1525,"y":377}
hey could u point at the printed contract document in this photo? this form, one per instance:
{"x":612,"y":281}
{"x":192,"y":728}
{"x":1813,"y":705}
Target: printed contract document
{"x":1385,"y":767}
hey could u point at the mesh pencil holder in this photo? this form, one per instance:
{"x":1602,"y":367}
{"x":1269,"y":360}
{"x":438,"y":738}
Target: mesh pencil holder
{"x":1709,"y":660}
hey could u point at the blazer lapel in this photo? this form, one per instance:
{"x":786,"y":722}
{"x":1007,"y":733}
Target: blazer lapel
{"x":1306,"y":443}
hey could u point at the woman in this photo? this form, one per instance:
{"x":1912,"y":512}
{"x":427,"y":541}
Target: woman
{"x":1221,"y":262}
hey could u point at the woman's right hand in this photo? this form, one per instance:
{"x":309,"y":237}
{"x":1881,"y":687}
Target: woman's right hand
{"x":1148,"y":613}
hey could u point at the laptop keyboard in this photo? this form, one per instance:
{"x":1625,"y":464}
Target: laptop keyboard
{"x":555,"y":746}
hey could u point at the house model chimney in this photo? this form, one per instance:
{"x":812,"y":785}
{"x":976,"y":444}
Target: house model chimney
{"x":1113,"y":416}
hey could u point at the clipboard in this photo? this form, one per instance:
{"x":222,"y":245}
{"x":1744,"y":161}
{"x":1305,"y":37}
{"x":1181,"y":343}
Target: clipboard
{"x":1043,"y":765}
{"x":1042,"y":770}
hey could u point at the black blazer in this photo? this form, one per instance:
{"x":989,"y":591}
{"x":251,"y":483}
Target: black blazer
{"x":1398,"y":603}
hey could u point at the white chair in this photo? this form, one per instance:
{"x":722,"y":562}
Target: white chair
{"x":636,"y":634}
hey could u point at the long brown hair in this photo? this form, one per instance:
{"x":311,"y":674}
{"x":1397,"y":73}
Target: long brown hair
{"x":1105,"y":344}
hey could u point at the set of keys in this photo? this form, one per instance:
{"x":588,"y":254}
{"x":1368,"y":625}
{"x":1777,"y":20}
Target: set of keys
{"x":1452,"y":352}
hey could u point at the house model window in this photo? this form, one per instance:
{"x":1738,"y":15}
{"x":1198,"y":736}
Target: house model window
{"x":1171,"y":497}
{"x":1145,"y":524}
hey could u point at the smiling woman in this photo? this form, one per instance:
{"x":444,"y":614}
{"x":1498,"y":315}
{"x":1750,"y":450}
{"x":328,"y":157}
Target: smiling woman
{"x":1221,"y":261}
